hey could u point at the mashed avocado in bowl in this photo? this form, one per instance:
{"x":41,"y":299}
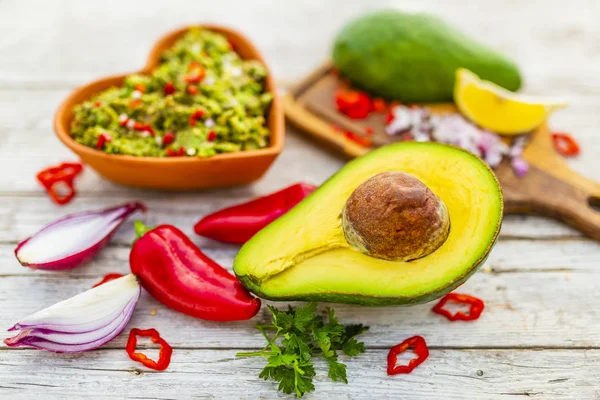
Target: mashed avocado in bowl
{"x":202,"y":99}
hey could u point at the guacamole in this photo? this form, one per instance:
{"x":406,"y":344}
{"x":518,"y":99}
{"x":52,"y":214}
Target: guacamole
{"x":202,"y":100}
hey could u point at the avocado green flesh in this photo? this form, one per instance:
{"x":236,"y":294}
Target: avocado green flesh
{"x":304,"y":256}
{"x":414,"y":57}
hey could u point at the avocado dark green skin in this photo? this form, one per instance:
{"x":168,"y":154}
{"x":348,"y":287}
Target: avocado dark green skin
{"x":369,"y":301}
{"x":414,"y":57}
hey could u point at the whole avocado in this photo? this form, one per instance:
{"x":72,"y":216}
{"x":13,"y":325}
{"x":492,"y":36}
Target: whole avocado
{"x":414,"y":57}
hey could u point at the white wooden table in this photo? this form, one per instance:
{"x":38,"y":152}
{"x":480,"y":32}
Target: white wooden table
{"x":540,"y":333}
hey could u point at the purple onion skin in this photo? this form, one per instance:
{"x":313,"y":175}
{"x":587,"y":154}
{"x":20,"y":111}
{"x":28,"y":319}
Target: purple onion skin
{"x":80,"y":256}
{"x":27,"y":337}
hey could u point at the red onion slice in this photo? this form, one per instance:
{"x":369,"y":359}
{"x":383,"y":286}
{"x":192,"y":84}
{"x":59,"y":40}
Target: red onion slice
{"x":117,"y":299}
{"x":74,"y":239}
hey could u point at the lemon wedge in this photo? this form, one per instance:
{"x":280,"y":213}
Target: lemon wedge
{"x":497,"y":109}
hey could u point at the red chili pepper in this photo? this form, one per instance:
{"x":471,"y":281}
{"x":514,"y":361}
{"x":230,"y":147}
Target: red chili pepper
{"x":211,"y":136}
{"x":64,"y":173}
{"x":164,"y":354}
{"x":168,"y":138}
{"x":140,"y":87}
{"x":169,"y":88}
{"x":356,"y":105}
{"x":565,"y":144}
{"x":102,"y":139}
{"x":181,"y":151}
{"x":474,"y":313}
{"x":173,"y":270}
{"x":237,"y":224}
{"x":192,"y":89}
{"x":419,"y":348}
{"x":124,"y":121}
{"x":108,"y":278}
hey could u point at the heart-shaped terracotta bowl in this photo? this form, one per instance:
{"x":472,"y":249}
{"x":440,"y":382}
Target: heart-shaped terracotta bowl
{"x":177,"y":173}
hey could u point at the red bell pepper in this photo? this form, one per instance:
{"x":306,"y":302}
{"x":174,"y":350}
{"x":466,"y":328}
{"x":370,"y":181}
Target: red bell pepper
{"x":474,"y":313}
{"x":419,"y":348}
{"x":237,"y":224}
{"x":174,"y":270}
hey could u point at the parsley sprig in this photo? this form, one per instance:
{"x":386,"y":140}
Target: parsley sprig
{"x":295,"y":336}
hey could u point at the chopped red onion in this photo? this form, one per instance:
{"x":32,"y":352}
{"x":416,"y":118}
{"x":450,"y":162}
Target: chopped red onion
{"x":81,"y":323}
{"x":74,"y":239}
{"x":520,"y":166}
{"x":455,"y":130}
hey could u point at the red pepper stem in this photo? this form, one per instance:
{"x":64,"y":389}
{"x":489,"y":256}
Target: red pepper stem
{"x":140,"y":229}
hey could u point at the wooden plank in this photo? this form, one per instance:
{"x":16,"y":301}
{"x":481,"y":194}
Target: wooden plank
{"x":580,"y":256}
{"x":22,"y":216}
{"x":523,"y":309}
{"x":218,"y":374}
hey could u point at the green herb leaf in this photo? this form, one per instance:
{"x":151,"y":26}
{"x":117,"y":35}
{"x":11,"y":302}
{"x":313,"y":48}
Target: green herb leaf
{"x":337,"y":370}
{"x":294,"y":337}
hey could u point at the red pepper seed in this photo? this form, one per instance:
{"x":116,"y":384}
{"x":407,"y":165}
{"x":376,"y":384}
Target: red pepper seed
{"x":369,"y":131}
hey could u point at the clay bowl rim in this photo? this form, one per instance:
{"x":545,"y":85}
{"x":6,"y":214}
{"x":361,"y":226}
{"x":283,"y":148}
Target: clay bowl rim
{"x":277,"y":127}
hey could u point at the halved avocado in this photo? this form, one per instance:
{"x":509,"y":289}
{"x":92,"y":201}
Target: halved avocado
{"x":305,"y":254}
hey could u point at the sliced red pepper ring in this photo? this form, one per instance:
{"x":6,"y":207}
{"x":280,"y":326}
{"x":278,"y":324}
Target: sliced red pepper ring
{"x":419,"y":348}
{"x":474,"y":312}
{"x":108,"y":278}
{"x":565,"y":144}
{"x":164,"y":355}
{"x":54,"y":178}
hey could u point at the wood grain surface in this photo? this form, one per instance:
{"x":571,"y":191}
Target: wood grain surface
{"x":539,"y":336}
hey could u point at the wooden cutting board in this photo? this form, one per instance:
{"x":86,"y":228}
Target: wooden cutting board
{"x":549,"y":188}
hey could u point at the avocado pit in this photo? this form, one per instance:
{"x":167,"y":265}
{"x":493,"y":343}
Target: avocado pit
{"x":394,"y":216}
